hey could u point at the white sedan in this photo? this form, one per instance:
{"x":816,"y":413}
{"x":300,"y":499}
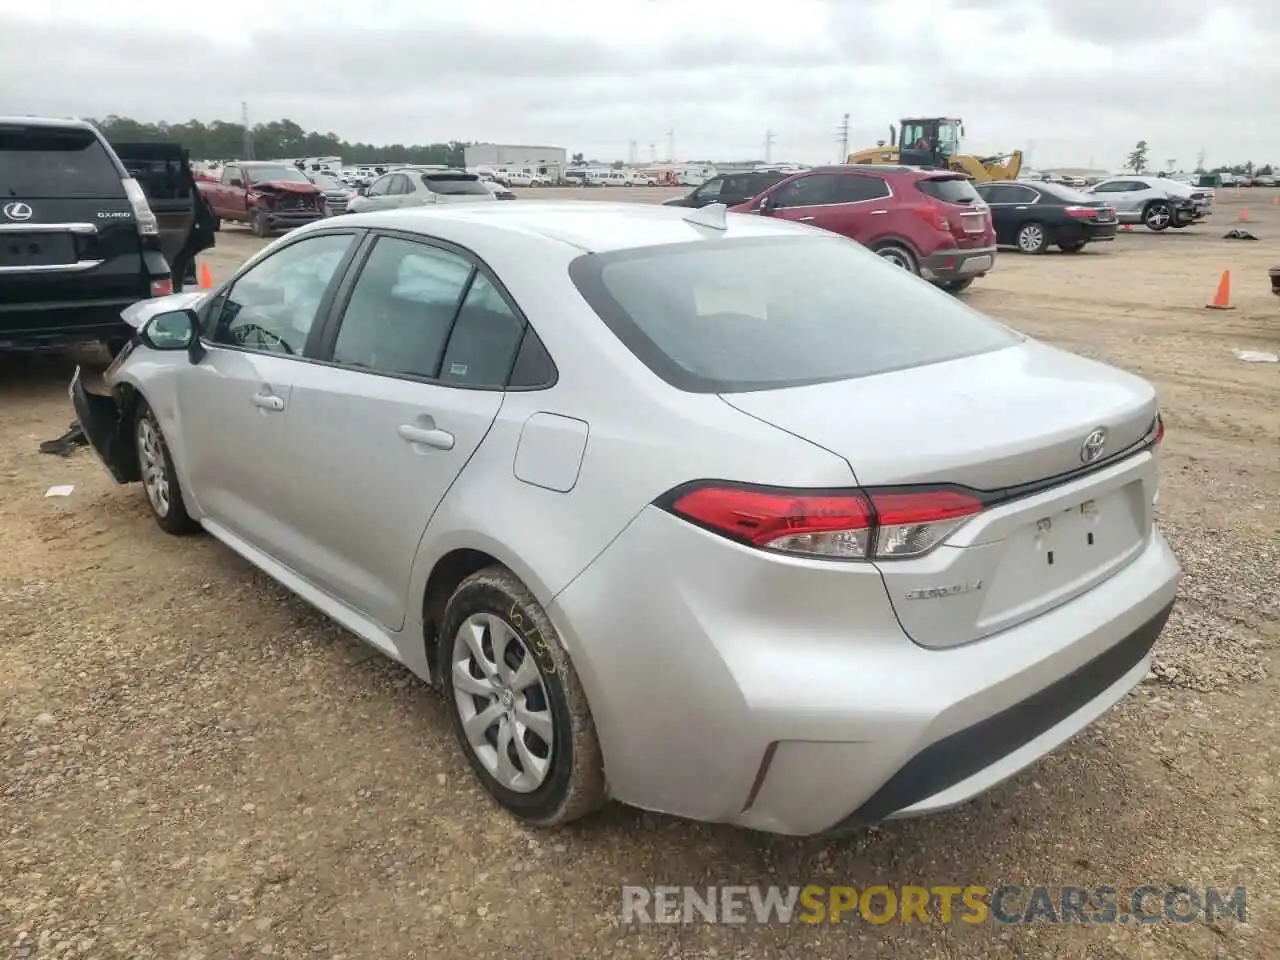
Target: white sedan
{"x":714,"y":514}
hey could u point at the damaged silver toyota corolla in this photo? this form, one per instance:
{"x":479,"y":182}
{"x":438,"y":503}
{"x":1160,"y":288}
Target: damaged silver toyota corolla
{"x":715,"y":514}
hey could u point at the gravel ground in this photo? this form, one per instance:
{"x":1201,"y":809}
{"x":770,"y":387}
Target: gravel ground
{"x":194,"y":764}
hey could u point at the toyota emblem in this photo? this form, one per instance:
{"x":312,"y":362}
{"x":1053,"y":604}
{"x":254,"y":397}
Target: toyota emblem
{"x":1093,"y":446}
{"x":17,"y":211}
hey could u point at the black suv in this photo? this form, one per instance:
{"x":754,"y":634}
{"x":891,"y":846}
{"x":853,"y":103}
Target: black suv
{"x":730,"y":189}
{"x":86,"y":230}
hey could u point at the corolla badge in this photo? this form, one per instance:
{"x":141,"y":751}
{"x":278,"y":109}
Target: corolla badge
{"x":1093,"y":446}
{"x":18,"y":211}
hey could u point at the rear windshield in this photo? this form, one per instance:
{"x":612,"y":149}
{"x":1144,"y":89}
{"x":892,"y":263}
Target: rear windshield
{"x":454,"y":184}
{"x":51,"y":163}
{"x":949,"y":190}
{"x":759,"y":314}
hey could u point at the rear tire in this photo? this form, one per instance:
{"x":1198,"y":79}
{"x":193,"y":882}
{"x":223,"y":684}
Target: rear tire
{"x":159,"y":478}
{"x":1032,"y":238}
{"x":1072,"y":247}
{"x":958,"y":286}
{"x":501,"y":660}
{"x":899,"y":256}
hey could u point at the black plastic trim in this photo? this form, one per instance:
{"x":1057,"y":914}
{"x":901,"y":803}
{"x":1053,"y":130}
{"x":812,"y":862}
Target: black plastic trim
{"x":960,"y":755}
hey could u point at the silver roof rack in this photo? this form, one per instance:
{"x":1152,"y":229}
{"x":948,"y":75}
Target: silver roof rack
{"x":712,"y":215}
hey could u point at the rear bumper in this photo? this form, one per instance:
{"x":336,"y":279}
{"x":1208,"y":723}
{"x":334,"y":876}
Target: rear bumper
{"x":60,"y":324}
{"x":802,"y":707}
{"x":956,"y":264}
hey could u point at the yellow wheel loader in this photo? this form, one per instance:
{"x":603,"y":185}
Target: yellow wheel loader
{"x":935,"y":142}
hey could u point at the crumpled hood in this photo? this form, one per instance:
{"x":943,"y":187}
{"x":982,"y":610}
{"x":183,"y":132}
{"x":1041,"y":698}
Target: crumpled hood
{"x":136,"y":314}
{"x":285,"y":186}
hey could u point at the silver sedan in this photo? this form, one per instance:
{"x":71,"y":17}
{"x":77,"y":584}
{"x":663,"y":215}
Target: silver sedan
{"x":712,"y":514}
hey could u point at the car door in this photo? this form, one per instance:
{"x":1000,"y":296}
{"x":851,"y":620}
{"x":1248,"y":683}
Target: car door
{"x":1008,"y":203}
{"x":234,"y":402}
{"x":1124,"y":195}
{"x":416,"y":365}
{"x":860,"y":209}
{"x":802,"y":199}
{"x":233,"y":199}
{"x":376,"y":198}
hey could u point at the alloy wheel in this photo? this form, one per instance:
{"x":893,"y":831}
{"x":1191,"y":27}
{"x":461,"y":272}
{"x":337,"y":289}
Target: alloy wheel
{"x":502,"y":702}
{"x":155,"y":477}
{"x":1030,"y":238}
{"x":896,"y":257}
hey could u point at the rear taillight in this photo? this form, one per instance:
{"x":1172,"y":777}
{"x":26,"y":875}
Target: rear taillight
{"x":1155,"y":435}
{"x":1081,"y":213}
{"x":148,"y":225}
{"x":936,"y":217}
{"x":878,"y":524}
{"x":162,"y":287}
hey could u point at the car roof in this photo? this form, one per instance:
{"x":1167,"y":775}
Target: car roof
{"x":594,"y":227}
{"x":66,"y":123}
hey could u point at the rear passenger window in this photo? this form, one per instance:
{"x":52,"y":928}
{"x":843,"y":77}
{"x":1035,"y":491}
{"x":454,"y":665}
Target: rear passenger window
{"x":484,"y":341}
{"x":401,"y":309}
{"x":854,"y":188}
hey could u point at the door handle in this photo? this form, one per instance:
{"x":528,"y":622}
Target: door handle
{"x":1023,"y":207}
{"x":878,"y":213}
{"x":807,"y":219}
{"x":268,"y":401}
{"x":440,"y":439}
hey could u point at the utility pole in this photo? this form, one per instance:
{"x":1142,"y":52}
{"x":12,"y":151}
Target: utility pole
{"x":671,"y":145}
{"x":247,"y":147}
{"x":769,"y":138}
{"x":1200,"y":159}
{"x":653,"y":153}
{"x":632,"y":153}
{"x":842,"y":138}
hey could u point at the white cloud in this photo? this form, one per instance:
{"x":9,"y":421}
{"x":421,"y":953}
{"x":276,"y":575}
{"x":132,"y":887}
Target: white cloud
{"x":1082,"y":80}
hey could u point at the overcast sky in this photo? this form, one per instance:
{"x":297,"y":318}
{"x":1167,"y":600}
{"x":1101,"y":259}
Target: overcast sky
{"x":1076,"y":81}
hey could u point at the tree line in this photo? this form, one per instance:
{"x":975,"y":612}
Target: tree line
{"x":1137,"y":162}
{"x":221,"y":140}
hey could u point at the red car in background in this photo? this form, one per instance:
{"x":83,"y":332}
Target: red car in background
{"x":931,"y":222}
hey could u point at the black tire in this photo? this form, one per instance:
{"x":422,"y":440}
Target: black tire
{"x":170,"y":511}
{"x":1157,"y":215}
{"x":1182,"y":225}
{"x":258,"y":224}
{"x":574,"y":784}
{"x":1032,"y":238}
{"x":958,"y":286}
{"x":899,"y":256}
{"x":1072,"y":247}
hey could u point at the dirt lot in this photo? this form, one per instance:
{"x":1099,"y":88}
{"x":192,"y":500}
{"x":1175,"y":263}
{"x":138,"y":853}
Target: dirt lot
{"x":193,"y":764}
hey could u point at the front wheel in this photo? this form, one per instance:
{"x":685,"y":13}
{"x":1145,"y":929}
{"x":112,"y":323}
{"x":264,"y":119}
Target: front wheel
{"x":517,"y":706}
{"x":159,"y":478}
{"x":899,"y":257}
{"x":1072,"y":247}
{"x":1157,"y":216}
{"x":259,"y":224}
{"x":1031,"y":238}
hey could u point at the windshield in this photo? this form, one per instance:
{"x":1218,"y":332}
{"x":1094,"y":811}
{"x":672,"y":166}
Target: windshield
{"x":36,"y":163}
{"x":275,"y":173}
{"x":758,"y":314}
{"x":454,"y":184}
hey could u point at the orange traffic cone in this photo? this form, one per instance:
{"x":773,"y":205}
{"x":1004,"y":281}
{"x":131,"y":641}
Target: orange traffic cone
{"x":1222,"y":299}
{"x":1126,"y":228}
{"x":1244,"y":215}
{"x":206,"y":277}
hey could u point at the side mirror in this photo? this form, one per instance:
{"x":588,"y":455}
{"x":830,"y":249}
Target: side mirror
{"x":236,"y":182}
{"x":175,"y":330}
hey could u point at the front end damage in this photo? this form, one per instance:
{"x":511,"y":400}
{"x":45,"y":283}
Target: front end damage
{"x":285,"y":205}
{"x":105,"y":422}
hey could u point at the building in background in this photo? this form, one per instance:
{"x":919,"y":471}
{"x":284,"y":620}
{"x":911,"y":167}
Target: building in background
{"x":545,"y":161}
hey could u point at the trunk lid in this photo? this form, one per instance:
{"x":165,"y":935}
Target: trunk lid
{"x":1012,"y":423}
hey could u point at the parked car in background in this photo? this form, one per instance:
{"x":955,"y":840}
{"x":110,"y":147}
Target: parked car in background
{"x":87,"y":230}
{"x":643,"y":180}
{"x":1264,"y":180}
{"x":413,"y":187}
{"x":891,"y":552}
{"x":1032,"y":217}
{"x":499,"y":191}
{"x":526,"y":178}
{"x":270,"y":197}
{"x":730,"y":189}
{"x":336,"y":194}
{"x":1156,"y":202}
{"x":931,"y":223}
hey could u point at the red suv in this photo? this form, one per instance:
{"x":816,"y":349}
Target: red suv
{"x":930,"y":222}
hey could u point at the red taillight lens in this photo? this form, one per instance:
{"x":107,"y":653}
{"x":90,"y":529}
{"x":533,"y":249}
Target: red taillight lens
{"x":1081,"y":213}
{"x":935,"y":216}
{"x":1157,"y":431}
{"x":834,"y":525}
{"x":162,"y":287}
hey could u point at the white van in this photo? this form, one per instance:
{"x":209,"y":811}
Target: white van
{"x":618,"y":178}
